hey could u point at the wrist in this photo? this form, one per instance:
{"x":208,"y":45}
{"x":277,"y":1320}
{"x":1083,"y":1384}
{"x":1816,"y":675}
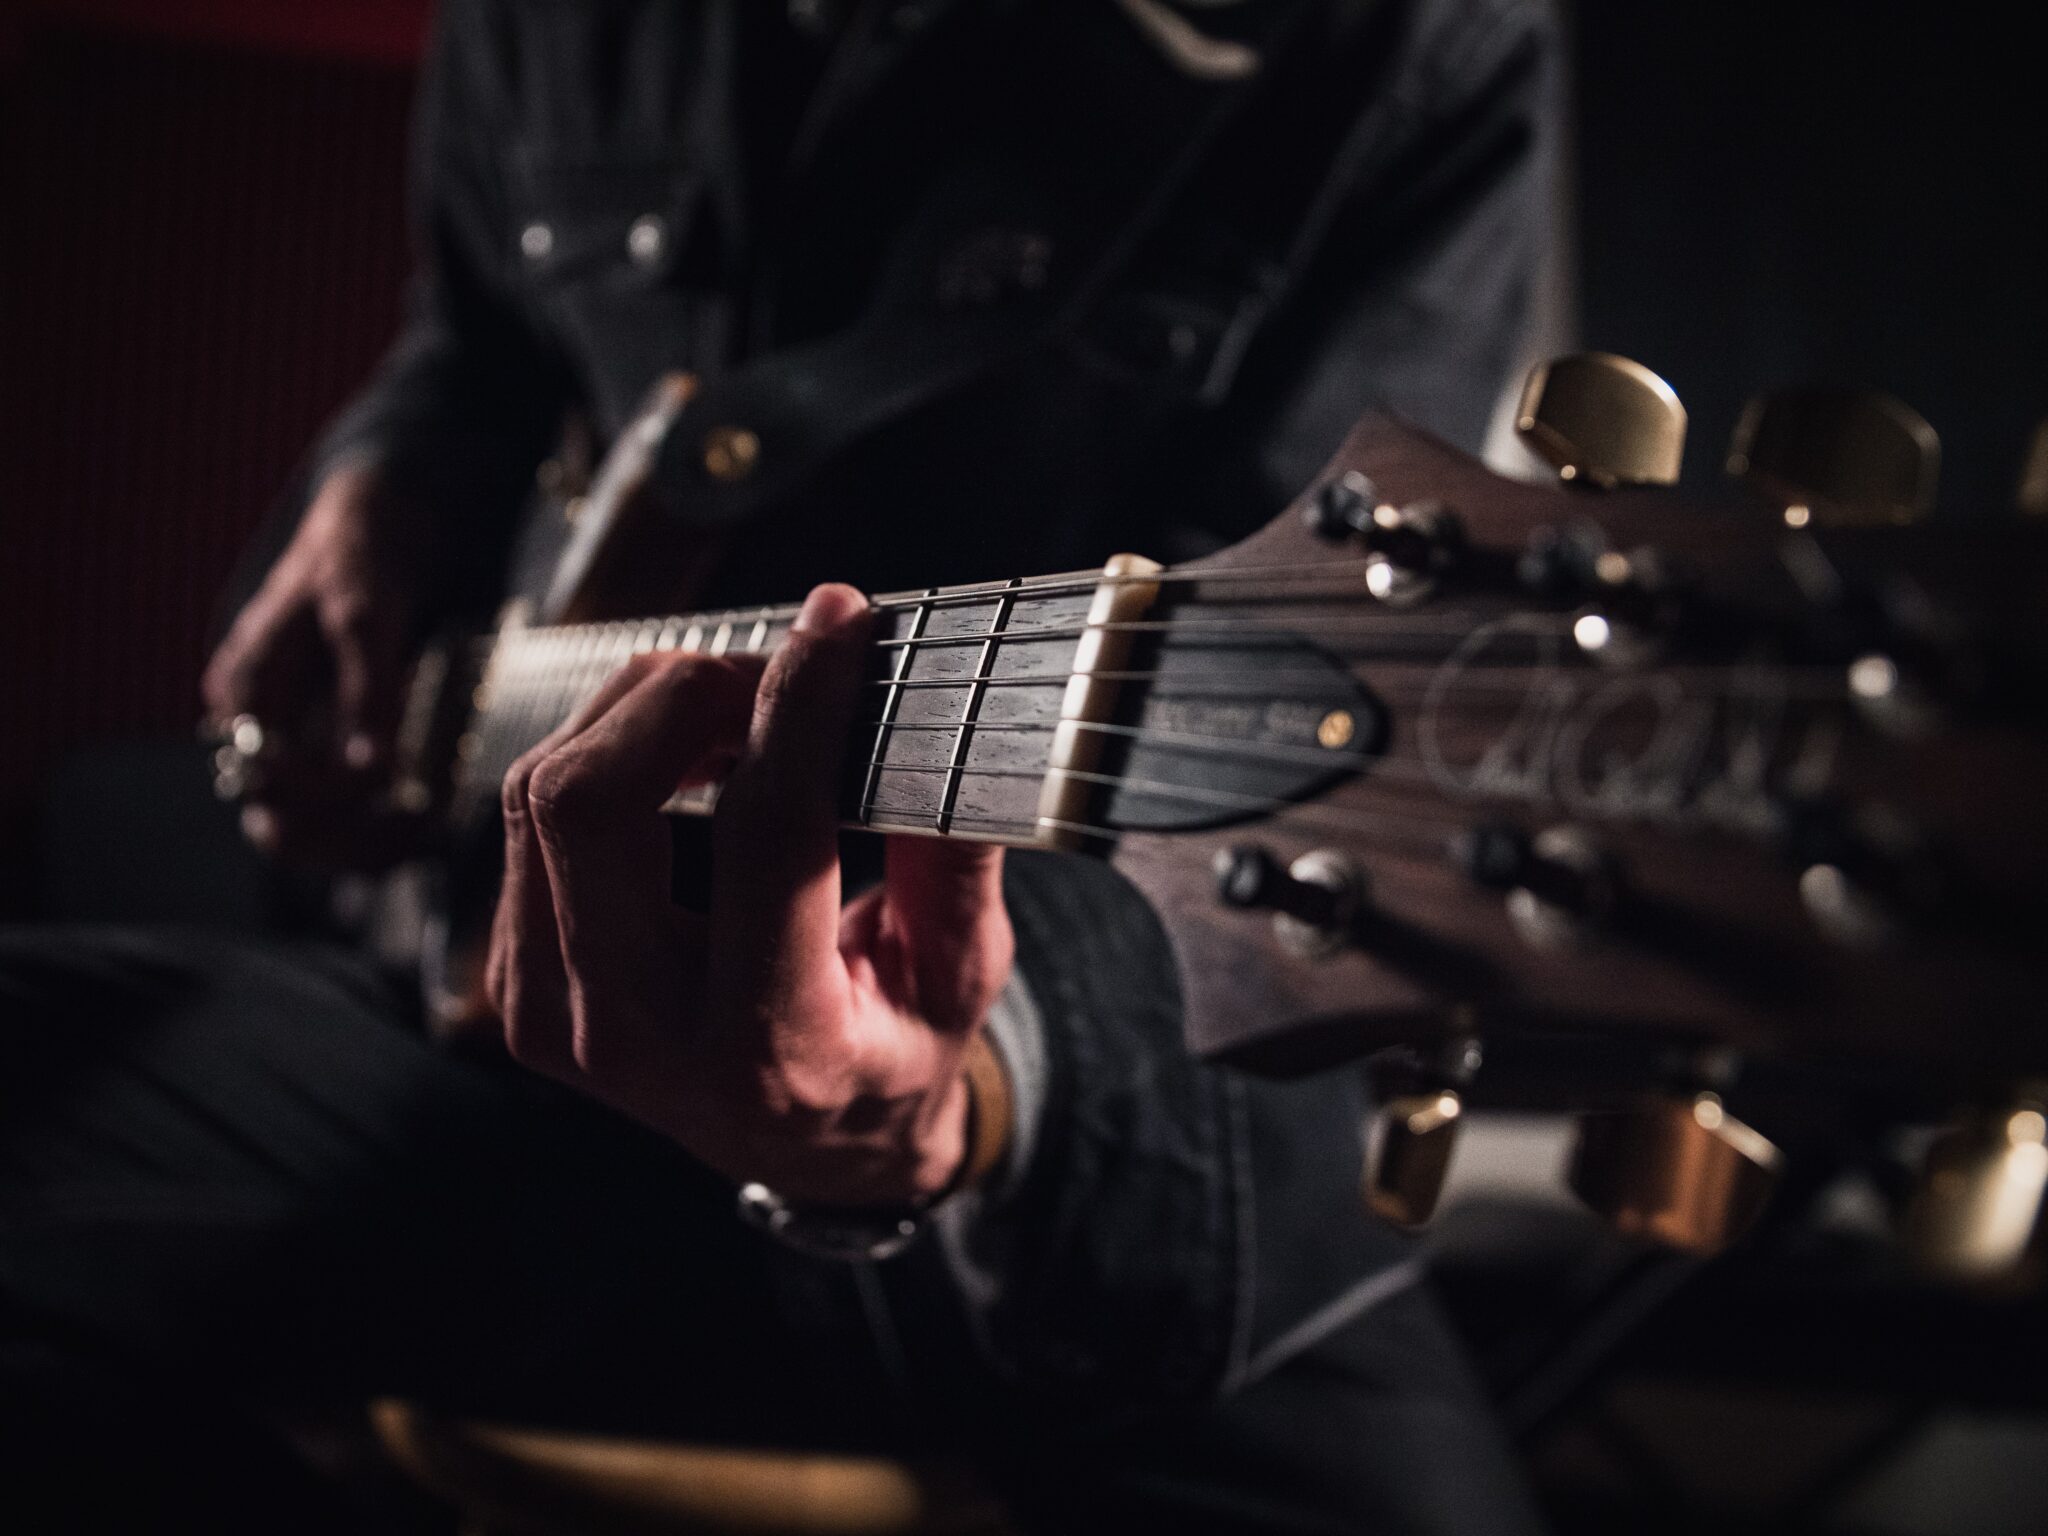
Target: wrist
{"x":966,"y":1143}
{"x":971,"y":1133}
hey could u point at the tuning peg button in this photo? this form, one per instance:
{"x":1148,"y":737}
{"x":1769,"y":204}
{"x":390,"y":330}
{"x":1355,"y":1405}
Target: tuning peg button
{"x":2032,"y":494}
{"x":1980,"y":1194}
{"x":1409,"y":1157}
{"x":1838,"y":457}
{"x":1679,"y":1171}
{"x":1603,"y":420}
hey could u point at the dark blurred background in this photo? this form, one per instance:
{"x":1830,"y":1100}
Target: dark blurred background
{"x":202,"y":248}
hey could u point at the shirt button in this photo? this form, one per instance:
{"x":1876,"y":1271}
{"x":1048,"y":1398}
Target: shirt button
{"x":647,"y":239}
{"x":536,"y":242}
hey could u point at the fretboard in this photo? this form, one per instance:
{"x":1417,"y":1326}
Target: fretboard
{"x":957,"y":720}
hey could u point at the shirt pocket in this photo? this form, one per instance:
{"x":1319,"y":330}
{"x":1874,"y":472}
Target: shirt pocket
{"x":599,"y":253}
{"x":609,"y":225}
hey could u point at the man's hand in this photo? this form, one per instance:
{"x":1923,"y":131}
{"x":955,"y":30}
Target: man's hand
{"x":318,"y":658}
{"x":780,"y":1038}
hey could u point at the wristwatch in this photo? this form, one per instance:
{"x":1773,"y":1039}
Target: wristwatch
{"x":850,"y":1234}
{"x":867,"y":1234}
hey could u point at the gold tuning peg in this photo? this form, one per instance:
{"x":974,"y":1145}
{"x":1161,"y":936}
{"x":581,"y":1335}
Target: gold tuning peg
{"x":1410,"y":1155}
{"x":1680,"y":1171}
{"x":2033,"y":491}
{"x":1979,"y":1195}
{"x":1603,"y":420}
{"x":1838,"y":457}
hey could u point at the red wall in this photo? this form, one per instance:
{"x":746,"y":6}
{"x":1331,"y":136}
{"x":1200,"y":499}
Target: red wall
{"x":201,"y":252}
{"x":386,"y":31}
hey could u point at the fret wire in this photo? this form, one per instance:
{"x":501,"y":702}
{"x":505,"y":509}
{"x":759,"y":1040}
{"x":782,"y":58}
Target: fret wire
{"x":889,"y":707}
{"x":950,"y":792}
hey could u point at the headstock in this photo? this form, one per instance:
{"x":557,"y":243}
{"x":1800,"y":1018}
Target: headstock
{"x":1691,"y":776}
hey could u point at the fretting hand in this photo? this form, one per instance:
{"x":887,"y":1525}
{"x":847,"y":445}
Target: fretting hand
{"x":781,"y":1037}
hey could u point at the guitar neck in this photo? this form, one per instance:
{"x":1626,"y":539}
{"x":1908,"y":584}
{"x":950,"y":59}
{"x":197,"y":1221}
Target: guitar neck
{"x":973,"y":713}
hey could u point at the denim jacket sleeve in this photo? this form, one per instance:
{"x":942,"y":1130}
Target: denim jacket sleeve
{"x":1179,"y":1228}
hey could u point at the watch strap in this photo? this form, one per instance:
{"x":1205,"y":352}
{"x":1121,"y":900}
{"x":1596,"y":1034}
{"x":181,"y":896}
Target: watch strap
{"x":991,"y":1112}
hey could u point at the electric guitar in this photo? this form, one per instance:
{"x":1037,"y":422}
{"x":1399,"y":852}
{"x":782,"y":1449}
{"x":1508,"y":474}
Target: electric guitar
{"x":1439,"y":756}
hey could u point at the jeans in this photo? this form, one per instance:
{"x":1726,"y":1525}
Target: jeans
{"x":235,"y":1186}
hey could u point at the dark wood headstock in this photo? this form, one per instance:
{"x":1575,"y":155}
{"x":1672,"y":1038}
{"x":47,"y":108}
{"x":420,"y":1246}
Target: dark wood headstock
{"x":1611,"y":760}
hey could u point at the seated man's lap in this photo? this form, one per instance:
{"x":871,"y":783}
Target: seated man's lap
{"x":242,"y":1158}
{"x":239,"y":1166}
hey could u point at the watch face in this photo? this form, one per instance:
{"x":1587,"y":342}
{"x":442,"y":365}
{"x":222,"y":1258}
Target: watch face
{"x":849,"y":1234}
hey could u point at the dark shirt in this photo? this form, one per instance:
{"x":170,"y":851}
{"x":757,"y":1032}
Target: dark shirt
{"x":1170,"y":296}
{"x":1004,"y":287}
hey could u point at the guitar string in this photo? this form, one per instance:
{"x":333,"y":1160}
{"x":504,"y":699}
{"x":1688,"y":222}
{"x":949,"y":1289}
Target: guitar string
{"x":594,"y":669}
{"x":1392,"y":624}
{"x":1396,"y":767}
{"x":1268,"y":678}
{"x":545,"y":708}
{"x":1029,"y":829}
{"x":1229,"y":747}
{"x":599,"y":661}
{"x":1193,"y":794}
{"x":1089,"y":581}
{"x":784,"y":614}
{"x":1406,"y":774}
{"x":574,"y":660}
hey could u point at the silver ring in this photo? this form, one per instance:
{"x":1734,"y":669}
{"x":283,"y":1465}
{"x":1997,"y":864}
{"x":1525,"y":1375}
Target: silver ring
{"x":235,"y":766}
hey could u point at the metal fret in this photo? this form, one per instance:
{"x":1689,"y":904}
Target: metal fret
{"x":890,"y":700}
{"x":977,"y":687}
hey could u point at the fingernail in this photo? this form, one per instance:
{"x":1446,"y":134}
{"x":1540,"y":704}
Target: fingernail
{"x":831,"y":606}
{"x":360,"y":750}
